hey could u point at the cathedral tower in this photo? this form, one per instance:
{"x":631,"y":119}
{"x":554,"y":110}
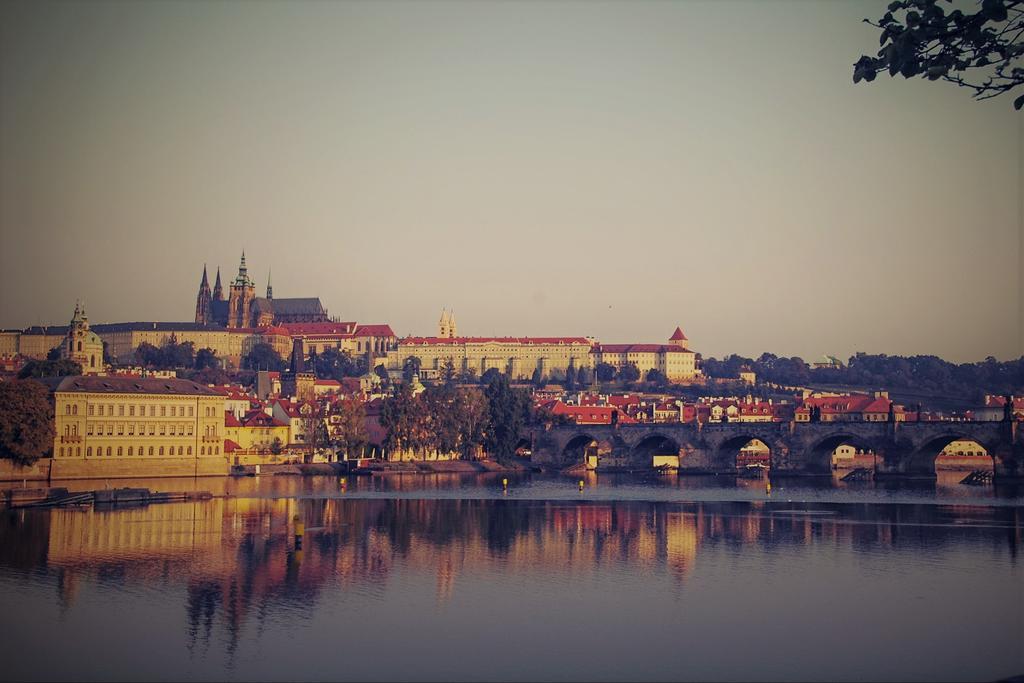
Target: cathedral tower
{"x":218,"y":291}
{"x":446,"y":325}
{"x":203,"y":307}
{"x":243,"y":293}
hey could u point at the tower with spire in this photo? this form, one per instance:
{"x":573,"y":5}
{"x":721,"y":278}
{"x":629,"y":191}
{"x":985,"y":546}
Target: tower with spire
{"x":270,"y":290}
{"x":82,"y":345}
{"x":243,"y":293}
{"x":446,"y":325}
{"x":204,"y":309}
{"x":218,"y":291}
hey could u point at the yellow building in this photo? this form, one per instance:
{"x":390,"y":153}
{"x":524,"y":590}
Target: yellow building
{"x":674,"y":360}
{"x":136,"y":427}
{"x":256,"y":430}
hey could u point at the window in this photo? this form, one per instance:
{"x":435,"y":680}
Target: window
{"x":67,"y":430}
{"x":90,"y":410}
{"x":151,"y":450}
{"x":190,"y":409}
{"x":74,"y":409}
{"x":88,"y":428}
{"x":119,"y":451}
{"x":120,"y":410}
{"x":129,"y":451}
{"x":88,"y":451}
{"x":131,"y":429}
{"x":131,"y":411}
{"x":181,"y":450}
{"x":161,"y":450}
{"x":152,"y":411}
{"x":202,"y":450}
{"x":163,"y":411}
{"x":120,"y":429}
{"x":74,"y":430}
{"x":216,"y":450}
{"x":190,"y":430}
{"x":152,"y":429}
{"x":174,"y":409}
{"x":78,"y":451}
{"x":190,"y":450}
{"x":163,"y":429}
{"x":62,"y":451}
{"x":108,"y":450}
{"x":67,"y":409}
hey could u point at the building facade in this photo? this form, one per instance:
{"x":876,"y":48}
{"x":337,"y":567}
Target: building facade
{"x":130,"y":426}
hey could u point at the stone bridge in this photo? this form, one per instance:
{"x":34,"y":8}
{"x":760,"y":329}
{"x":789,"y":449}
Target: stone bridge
{"x":901,"y":448}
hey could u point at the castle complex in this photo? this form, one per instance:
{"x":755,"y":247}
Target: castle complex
{"x":521,"y":357}
{"x":243,"y":309}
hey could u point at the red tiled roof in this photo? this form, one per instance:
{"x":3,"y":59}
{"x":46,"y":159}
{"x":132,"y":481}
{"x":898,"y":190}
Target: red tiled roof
{"x":231,"y":421}
{"x":590,"y":414}
{"x":678,"y":335}
{"x":328,"y":383}
{"x":276,"y":330}
{"x":230,"y":446}
{"x":374,"y":331}
{"x":426,"y":341}
{"x":638,"y":348}
{"x":344,"y":329}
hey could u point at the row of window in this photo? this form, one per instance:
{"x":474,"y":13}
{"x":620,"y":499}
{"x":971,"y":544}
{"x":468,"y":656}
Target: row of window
{"x":108,"y":410}
{"x":142,"y":450}
{"x":164,"y":429}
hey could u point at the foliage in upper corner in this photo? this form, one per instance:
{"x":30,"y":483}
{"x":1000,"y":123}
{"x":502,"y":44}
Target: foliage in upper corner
{"x":980,"y":51}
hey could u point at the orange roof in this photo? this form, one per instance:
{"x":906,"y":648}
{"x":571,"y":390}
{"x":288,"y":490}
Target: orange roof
{"x":424,"y":341}
{"x":230,"y":420}
{"x":374,"y":331}
{"x":678,"y":335}
{"x":638,"y":348}
{"x":333,"y":328}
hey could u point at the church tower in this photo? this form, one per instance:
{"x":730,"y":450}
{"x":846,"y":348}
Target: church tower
{"x":82,"y":345}
{"x":243,"y":293}
{"x":218,"y":291}
{"x":442,"y":325}
{"x":203,"y":307}
{"x":270,"y":290}
{"x":679,"y":340}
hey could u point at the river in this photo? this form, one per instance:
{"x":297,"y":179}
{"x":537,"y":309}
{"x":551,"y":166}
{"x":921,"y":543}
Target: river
{"x":427,"y":577}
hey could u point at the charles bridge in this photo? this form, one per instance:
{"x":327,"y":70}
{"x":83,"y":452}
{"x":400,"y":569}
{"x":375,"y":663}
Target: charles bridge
{"x":901,"y":448}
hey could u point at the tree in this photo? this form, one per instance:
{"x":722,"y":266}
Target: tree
{"x":107,"y":358}
{"x":263,"y":357}
{"x":448,"y":371}
{"x":382,"y":373}
{"x":468,"y":376}
{"x":276,"y":446}
{"x":53,"y":354}
{"x":605,"y":372}
{"x":657,"y":377}
{"x":473,"y":411}
{"x":212,"y":375}
{"x":350,"y":429}
{"x":978,"y":51}
{"x":509,"y":411}
{"x":538,"y":378}
{"x":490,"y":375}
{"x":584,"y":376}
{"x":50,"y":368}
{"x":205,"y":358}
{"x":26,"y":421}
{"x":411,"y":366}
{"x":629,"y":372}
{"x":570,"y":377}
{"x":397,"y":419}
{"x":336,"y":364}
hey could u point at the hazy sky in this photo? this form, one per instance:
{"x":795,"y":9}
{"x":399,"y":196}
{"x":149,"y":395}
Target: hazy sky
{"x":586,"y":168}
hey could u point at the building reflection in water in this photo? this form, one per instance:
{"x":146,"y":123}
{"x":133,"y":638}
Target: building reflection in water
{"x":237,"y":559}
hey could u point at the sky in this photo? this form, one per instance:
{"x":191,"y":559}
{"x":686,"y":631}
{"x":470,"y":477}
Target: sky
{"x":607,"y":169}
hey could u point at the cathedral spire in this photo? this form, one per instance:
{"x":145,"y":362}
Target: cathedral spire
{"x":218,"y":291}
{"x":203,"y":308}
{"x":205,"y":282}
{"x":243,"y":273}
{"x":270,"y":290}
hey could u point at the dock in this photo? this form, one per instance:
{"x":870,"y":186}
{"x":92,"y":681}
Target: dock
{"x":61,"y":497}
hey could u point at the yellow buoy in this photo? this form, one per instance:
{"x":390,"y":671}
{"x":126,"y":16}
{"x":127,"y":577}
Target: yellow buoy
{"x":581,"y":484}
{"x":504,"y":483}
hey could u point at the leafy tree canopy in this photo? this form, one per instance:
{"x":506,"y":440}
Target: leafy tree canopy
{"x":979,"y":50}
{"x":263,"y":357}
{"x":61,"y":367}
{"x":26,"y":421}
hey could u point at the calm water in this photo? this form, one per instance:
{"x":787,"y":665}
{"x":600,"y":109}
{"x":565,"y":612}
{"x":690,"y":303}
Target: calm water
{"x":447,"y":577}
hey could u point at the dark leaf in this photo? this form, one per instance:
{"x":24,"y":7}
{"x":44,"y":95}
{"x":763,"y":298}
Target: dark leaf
{"x":1019,"y":102}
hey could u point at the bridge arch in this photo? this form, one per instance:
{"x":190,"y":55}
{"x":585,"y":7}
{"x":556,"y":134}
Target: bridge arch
{"x":578,"y":448}
{"x":746,"y":448}
{"x":642,"y":453}
{"x":820,"y":456}
{"x":921,"y":462}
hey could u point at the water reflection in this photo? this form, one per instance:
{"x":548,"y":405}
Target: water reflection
{"x":234,"y":566}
